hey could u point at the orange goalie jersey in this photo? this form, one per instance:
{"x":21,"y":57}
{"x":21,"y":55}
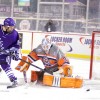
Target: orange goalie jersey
{"x":54,"y":58}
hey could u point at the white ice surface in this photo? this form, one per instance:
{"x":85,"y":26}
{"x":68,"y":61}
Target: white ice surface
{"x":38,"y":92}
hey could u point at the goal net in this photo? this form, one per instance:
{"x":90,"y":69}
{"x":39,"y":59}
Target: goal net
{"x":95,"y":56}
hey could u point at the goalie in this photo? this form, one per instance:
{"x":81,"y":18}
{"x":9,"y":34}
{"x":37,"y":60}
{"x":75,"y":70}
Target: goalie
{"x":51,"y":56}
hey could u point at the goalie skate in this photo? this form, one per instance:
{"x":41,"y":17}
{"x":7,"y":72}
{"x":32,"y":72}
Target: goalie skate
{"x":14,"y":84}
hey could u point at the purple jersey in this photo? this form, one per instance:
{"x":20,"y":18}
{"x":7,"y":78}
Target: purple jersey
{"x":8,"y":40}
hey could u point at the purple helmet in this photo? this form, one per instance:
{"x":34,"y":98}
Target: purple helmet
{"x":9,"y":22}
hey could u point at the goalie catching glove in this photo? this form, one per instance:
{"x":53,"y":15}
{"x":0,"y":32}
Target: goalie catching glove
{"x":65,"y":70}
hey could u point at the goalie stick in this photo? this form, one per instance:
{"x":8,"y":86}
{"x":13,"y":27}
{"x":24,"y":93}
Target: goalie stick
{"x":45,"y":70}
{"x":50,"y":72}
{"x":25,"y":76}
{"x":24,"y":72}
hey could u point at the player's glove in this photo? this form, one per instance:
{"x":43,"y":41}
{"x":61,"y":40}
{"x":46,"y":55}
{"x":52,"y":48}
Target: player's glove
{"x":14,"y":53}
{"x":4,"y":52}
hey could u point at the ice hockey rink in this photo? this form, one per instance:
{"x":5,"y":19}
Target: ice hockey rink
{"x":31,"y":91}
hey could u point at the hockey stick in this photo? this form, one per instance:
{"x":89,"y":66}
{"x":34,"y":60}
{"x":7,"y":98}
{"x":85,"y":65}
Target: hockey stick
{"x":44,"y":70}
{"x":24,"y":72}
{"x":50,"y":72}
{"x":25,"y":76}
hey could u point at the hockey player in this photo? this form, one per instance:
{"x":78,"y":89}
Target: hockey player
{"x":51,"y":56}
{"x":9,"y":48}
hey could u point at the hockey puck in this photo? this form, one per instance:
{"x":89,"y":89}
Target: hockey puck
{"x":88,"y":90}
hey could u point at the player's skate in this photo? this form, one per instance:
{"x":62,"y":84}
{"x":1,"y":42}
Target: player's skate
{"x":13,"y":85}
{"x":0,"y":70}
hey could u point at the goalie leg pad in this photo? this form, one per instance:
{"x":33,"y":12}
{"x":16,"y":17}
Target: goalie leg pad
{"x":48,"y":80}
{"x":63,"y":82}
{"x":56,"y":81}
{"x":36,"y":75}
{"x":67,"y":82}
{"x":70,"y":82}
{"x":78,"y":82}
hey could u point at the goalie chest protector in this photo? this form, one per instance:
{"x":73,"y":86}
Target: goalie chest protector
{"x":63,"y":82}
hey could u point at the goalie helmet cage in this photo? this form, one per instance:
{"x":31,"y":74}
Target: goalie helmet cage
{"x":95,"y":56}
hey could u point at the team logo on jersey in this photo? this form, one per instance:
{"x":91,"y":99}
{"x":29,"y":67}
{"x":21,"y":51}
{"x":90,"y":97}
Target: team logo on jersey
{"x":46,"y":61}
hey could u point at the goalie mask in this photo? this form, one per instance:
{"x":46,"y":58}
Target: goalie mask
{"x":46,"y":44}
{"x":9,"y":25}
